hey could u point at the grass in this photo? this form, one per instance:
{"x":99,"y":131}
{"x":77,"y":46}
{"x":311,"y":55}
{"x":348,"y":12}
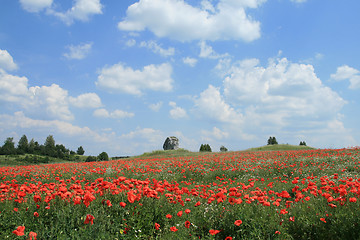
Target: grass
{"x":30,"y":159}
{"x":280,"y":147}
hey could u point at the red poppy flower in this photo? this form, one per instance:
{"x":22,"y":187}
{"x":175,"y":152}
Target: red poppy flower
{"x":213,"y":232}
{"x":180,"y":213}
{"x":323,"y":219}
{"x":238,"y":222}
{"x":352,"y":199}
{"x":19,"y":231}
{"x":228,"y":238}
{"x":89,"y":219}
{"x":187,"y":224}
{"x":277,"y":232}
{"x":32,"y":236}
{"x":292,"y":219}
{"x":157,"y":226}
{"x":36,"y":214}
{"x":173,"y":229}
{"x":168,"y":216}
{"x":187,"y":211}
{"x":197,"y":204}
{"x":122,"y":204}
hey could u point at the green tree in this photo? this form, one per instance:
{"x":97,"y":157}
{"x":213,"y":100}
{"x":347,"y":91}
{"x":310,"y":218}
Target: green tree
{"x":272,"y":141}
{"x":9,"y":147}
{"x":80,"y":151}
{"x":49,"y":146}
{"x":31,"y":146}
{"x":205,"y":148}
{"x":103,"y":156}
{"x":91,"y":159}
{"x":223,"y":149}
{"x":23,"y":145}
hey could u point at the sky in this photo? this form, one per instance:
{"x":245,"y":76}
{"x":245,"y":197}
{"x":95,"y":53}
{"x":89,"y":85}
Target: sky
{"x":121,"y":76}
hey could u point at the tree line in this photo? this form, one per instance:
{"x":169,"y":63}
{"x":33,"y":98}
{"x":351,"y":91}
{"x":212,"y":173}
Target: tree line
{"x":49,"y":148}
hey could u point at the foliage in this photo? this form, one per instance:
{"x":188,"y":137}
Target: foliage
{"x":91,"y":159}
{"x":9,"y":147}
{"x":223,"y":149}
{"x":272,"y":141}
{"x":205,"y":148}
{"x":103,"y":156}
{"x":302,"y":143}
{"x":304,"y":194}
{"x":80,"y":151}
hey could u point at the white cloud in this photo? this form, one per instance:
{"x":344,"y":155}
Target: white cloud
{"x":20,"y":121}
{"x":156,"y":106}
{"x":79,"y":51}
{"x":86,"y":100}
{"x":153,"y":46}
{"x":35,"y":6}
{"x":82,"y":10}
{"x":119,"y":78}
{"x":6,"y":61}
{"x":117,"y":114}
{"x":13,"y":88}
{"x":298,"y":1}
{"x":215,"y":133}
{"x":190,"y":61}
{"x":211,"y":105}
{"x":177,"y":112}
{"x":206,"y":51}
{"x":130,"y":42}
{"x":348,"y":73}
{"x":178,"y":20}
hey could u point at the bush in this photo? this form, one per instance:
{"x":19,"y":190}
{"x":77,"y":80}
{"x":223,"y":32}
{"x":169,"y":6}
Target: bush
{"x":103,"y":156}
{"x":272,"y":141}
{"x":91,"y":159}
{"x":223,"y":149}
{"x":205,"y":148}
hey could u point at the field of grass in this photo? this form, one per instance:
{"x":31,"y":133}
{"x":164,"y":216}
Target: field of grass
{"x":298,"y":194}
{"x":28,"y":159}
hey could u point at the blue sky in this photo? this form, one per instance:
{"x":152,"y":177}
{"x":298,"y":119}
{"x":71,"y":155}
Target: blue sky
{"x":121,"y":76}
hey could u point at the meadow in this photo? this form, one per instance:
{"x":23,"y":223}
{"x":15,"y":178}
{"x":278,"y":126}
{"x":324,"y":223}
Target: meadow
{"x":294,"y":194}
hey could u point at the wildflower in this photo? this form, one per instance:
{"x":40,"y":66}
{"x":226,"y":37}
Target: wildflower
{"x":229,"y":238}
{"x":352,"y":199}
{"x":277,"y":232}
{"x":283,"y":211}
{"x":19,"y":231}
{"x":292,"y":219}
{"x":36,"y":214}
{"x":187,"y":211}
{"x":323,"y":219}
{"x":180,"y":213}
{"x":37,"y":198}
{"x":16,"y":209}
{"x":238,"y":222}
{"x":89,"y":219}
{"x":32,"y":236}
{"x":213,"y":232}
{"x":157,"y":226}
{"x":122,"y":204}
{"x":187,"y":224}
{"x":197,"y":204}
{"x":173,"y":229}
{"x":168,"y":216}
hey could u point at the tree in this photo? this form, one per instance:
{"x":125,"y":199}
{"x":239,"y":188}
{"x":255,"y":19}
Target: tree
{"x":91,"y":159}
{"x":23,"y":145}
{"x":272,"y":141}
{"x":223,"y":149}
{"x":103,"y":156}
{"x":80,"y":151}
{"x":9,"y":147}
{"x":31,"y":146}
{"x":205,"y":148}
{"x":49,"y":146}
{"x":302,"y":143}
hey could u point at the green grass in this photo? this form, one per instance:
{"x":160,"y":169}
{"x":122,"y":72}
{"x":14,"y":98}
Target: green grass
{"x":280,"y":147}
{"x":31,"y":159}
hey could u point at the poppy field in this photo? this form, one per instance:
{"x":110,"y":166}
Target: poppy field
{"x":304,"y":194}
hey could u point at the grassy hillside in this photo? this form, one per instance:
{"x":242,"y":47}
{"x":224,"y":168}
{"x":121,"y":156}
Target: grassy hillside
{"x":30,"y":159}
{"x":280,"y":147}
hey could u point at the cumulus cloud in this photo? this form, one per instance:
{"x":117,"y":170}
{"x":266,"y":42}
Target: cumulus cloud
{"x":81,"y":10}
{"x":190,"y":61}
{"x":177,"y":112}
{"x":181,"y":21}
{"x":79,"y":51}
{"x":156,"y":48}
{"x":86,"y":100}
{"x":348,"y":73}
{"x":35,"y":6}
{"x":6,"y":61}
{"x":156,"y":106}
{"x":215,"y":133}
{"x":119,"y":78}
{"x":206,"y":51}
{"x":118,"y":114}
{"x":211,"y":105}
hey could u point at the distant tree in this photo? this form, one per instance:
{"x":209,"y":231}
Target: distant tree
{"x":80,"y":151}
{"x":49,"y":146}
{"x":23,"y":145}
{"x":205,"y":148}
{"x":223,"y":149}
{"x":103,"y":156}
{"x":91,"y":159}
{"x":9,"y":147}
{"x":302,"y":143}
{"x":31,"y":146}
{"x":272,"y":141}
